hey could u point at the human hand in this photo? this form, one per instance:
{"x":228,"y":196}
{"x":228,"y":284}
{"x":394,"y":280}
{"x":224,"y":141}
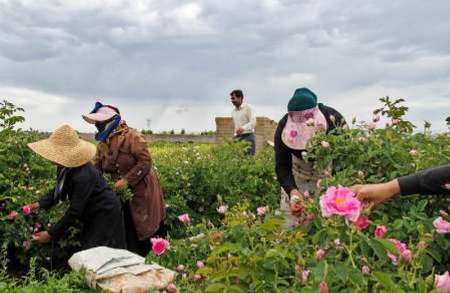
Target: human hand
{"x":295,"y":195}
{"x":121,"y":184}
{"x":240,"y":130}
{"x":376,"y":193}
{"x":34,"y":206}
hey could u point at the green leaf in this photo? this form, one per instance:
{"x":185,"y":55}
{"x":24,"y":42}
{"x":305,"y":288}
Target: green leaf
{"x":317,"y":238}
{"x":341,"y":271}
{"x":435,"y":254}
{"x":226,"y":247}
{"x":237,"y":289}
{"x":319,"y":270}
{"x":388,"y":245}
{"x":427,"y":264}
{"x":272,"y":224}
{"x":379,"y":250}
{"x":384,"y":279}
{"x":217,"y":287}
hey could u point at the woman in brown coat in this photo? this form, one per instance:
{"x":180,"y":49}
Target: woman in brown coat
{"x":123,"y":153}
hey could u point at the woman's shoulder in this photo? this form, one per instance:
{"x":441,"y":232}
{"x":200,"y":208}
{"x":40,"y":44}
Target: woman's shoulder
{"x":83,"y":172}
{"x":279,"y":130}
{"x":133,"y":135}
{"x":328,"y":110}
{"x":283,"y":120}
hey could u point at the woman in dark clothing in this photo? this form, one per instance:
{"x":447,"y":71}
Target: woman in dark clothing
{"x":305,"y":118}
{"x":123,"y":153}
{"x":92,"y":202}
{"x":426,"y":182}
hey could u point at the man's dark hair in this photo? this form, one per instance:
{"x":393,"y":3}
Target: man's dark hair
{"x":237,"y":93}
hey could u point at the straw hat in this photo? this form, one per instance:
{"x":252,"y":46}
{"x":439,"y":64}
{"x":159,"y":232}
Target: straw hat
{"x":64,"y":147}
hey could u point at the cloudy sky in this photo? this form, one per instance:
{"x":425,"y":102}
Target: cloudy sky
{"x":174,"y":62}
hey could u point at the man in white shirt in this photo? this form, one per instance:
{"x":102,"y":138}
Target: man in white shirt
{"x":244,"y":121}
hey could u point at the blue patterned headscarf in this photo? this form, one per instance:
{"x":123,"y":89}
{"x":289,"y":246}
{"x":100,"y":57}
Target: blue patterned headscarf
{"x":105,"y":128}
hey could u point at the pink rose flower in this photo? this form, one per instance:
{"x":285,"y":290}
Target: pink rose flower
{"x":337,"y":242}
{"x":403,"y":251}
{"x":380,"y":231}
{"x":159,"y":245}
{"x":306,"y":194}
{"x":26,"y":245}
{"x":323,"y":287}
{"x":340,"y":201}
{"x":184,"y":218}
{"x":441,"y":225}
{"x":400,"y":246}
{"x":261,"y":211}
{"x":413,"y":152}
{"x":198,"y":277}
{"x":325,"y":144}
{"x":305,"y":276}
{"x":392,"y":257}
{"x":296,"y":208}
{"x":406,"y":256}
{"x":27,"y":209}
{"x":200,"y":264}
{"x":180,"y":268}
{"x":365,"y":270}
{"x":320,"y":254}
{"x":362,"y":223}
{"x":442,"y":283}
{"x":395,"y":121}
{"x":371,"y":125}
{"x":447,"y":186}
{"x":171,"y":288}
{"x":222,"y":209}
{"x":12,"y":215}
{"x":308,"y":218}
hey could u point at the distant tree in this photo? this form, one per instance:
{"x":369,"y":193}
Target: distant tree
{"x":147,"y":131}
{"x":208,"y":132}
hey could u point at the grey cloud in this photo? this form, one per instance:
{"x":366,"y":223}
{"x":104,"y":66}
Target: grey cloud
{"x":168,"y":52}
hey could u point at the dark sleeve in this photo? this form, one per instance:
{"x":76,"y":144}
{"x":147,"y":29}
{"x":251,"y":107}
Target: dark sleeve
{"x":139,"y":150}
{"x":283,"y":160}
{"x":334,"y":118}
{"x":81,"y":185}
{"x":340,"y":120}
{"x":430,"y":181}
{"x":47,"y":200}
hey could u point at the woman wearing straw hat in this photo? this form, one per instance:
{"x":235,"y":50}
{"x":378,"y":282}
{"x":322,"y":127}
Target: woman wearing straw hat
{"x":91,"y":200}
{"x":304,"y":119}
{"x":123,"y":152}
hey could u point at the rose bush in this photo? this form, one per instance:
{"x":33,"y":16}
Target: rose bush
{"x":24,"y":178}
{"x":400,"y":246}
{"x":228,"y":223}
{"x":200,"y":179}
